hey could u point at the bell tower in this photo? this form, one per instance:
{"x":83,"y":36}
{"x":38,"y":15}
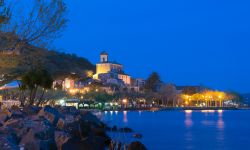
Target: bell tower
{"x":104,"y":57}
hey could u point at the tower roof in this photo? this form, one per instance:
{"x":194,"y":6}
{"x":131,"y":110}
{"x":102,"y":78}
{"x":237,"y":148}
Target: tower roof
{"x":104,"y":53}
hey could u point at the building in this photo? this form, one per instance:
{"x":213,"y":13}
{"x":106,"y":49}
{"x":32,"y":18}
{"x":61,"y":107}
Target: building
{"x":109,"y":77}
{"x":139,"y":82}
{"x":68,"y":83}
{"x":107,"y":71}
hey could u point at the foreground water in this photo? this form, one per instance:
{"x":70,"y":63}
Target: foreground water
{"x":169,"y":130}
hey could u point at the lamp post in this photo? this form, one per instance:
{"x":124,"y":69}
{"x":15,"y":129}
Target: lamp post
{"x":125,"y":101}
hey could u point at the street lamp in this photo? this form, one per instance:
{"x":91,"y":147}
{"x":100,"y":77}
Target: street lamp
{"x":125,"y":101}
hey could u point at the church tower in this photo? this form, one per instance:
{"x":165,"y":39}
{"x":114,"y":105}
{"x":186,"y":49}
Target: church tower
{"x":104,"y":57}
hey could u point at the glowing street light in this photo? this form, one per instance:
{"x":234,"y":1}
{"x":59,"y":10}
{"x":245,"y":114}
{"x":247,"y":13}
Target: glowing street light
{"x":125,"y":101}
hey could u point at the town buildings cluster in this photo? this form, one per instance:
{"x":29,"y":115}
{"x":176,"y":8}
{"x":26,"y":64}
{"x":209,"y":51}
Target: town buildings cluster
{"x":109,"y":75}
{"x":110,"y":78}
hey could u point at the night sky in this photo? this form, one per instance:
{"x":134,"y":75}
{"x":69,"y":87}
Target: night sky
{"x":188,"y":42}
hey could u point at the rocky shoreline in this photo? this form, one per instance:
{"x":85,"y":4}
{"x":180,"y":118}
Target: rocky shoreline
{"x":52,"y":128}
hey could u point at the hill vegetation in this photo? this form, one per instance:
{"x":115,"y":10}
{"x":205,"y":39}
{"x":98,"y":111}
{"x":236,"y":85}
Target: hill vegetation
{"x":59,"y":65}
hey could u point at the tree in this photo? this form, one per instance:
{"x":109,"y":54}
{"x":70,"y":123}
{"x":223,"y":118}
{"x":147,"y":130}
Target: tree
{"x":59,"y":65}
{"x":168,"y":94}
{"x":49,"y":95}
{"x":190,"y":90}
{"x":101,"y":97}
{"x":33,"y":80}
{"x":235,"y":97}
{"x":38,"y":24}
{"x":4,"y":13}
{"x":27,"y":30}
{"x":153,"y":82}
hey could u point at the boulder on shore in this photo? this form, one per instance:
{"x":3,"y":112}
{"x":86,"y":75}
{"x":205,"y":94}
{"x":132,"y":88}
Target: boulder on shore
{"x":90,"y":143}
{"x":61,"y":138}
{"x":31,"y":110}
{"x":51,"y":114}
{"x":4,"y":115}
{"x":126,"y":130}
{"x":136,"y":146}
{"x":6,"y":144}
{"x":40,"y":135}
{"x":49,"y":128}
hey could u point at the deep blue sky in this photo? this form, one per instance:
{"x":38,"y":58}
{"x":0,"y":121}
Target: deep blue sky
{"x":187,"y":41}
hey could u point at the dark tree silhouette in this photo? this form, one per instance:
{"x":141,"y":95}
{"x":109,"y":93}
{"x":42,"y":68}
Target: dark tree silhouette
{"x":33,"y":80}
{"x":153,"y":82}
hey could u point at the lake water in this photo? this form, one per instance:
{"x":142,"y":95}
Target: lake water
{"x":198,"y":130}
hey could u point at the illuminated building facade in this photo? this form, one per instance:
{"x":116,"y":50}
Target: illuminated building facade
{"x":68,"y":83}
{"x":109,"y":71}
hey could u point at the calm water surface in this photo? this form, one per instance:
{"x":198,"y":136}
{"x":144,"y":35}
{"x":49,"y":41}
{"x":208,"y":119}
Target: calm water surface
{"x":169,"y":130}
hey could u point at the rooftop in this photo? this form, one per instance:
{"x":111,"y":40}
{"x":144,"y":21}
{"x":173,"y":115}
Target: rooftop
{"x":110,"y":62}
{"x":104,"y":53}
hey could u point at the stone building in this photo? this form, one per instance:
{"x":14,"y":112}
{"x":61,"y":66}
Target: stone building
{"x":109,"y":71}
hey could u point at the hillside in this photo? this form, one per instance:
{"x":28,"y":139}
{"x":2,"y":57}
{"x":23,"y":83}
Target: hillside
{"x":14,"y":65}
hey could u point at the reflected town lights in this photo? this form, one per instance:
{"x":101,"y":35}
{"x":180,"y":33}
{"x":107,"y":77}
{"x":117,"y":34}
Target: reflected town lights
{"x":211,"y":111}
{"x":125,"y":119}
{"x":111,"y":112}
{"x":208,"y":111}
{"x":188,"y":120}
{"x":116,"y":112}
{"x":220,"y":111}
{"x":188,"y":111}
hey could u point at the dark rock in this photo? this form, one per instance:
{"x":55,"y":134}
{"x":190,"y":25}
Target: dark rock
{"x":7,"y":144}
{"x":137,"y":135}
{"x":14,"y":123}
{"x":68,"y":110}
{"x":114,"y":128}
{"x":16,"y":112}
{"x":136,"y":146}
{"x":61,"y":138}
{"x":99,"y":132}
{"x":4,"y":115}
{"x":30,"y":110}
{"x":126,"y":129}
{"x":90,"y":143}
{"x":73,"y":129}
{"x":51,"y":114}
{"x":33,"y":128}
{"x":89,"y":117}
{"x":40,"y":136}
{"x":63,"y":122}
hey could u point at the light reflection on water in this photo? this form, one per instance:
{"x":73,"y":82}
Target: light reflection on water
{"x":116,"y":112}
{"x":188,"y":120}
{"x":125,"y":118}
{"x":186,"y":129}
